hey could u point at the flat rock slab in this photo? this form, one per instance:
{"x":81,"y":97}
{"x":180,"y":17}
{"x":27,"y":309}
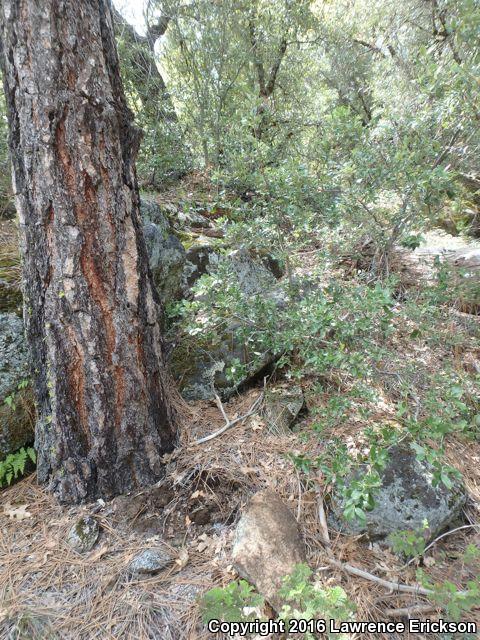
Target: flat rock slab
{"x":267,"y":545}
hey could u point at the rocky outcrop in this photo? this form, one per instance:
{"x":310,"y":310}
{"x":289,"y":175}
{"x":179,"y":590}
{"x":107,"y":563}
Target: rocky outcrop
{"x":267,"y":545}
{"x":405,"y":500}
{"x":16,"y":405}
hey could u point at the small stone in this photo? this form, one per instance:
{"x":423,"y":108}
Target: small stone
{"x":267,"y":545}
{"x":83,"y":535}
{"x":150,"y":561}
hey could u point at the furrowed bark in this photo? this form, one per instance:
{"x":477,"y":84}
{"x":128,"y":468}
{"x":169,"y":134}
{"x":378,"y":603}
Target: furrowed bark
{"x":105,"y":417}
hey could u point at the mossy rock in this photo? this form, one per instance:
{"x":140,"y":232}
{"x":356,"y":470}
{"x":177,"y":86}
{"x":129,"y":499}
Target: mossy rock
{"x":84,"y":534}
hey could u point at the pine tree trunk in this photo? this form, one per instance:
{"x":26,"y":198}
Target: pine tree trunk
{"x":91,"y":312}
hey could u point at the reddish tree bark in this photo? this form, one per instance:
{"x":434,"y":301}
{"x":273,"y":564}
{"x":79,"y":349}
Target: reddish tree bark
{"x":105,"y":416}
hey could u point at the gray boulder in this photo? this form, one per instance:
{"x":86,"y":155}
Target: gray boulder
{"x":167,"y":260}
{"x":252,"y":268}
{"x":16,"y":423}
{"x":150,"y":211}
{"x":251,"y":274}
{"x":406,"y":499}
{"x":83,"y":535}
{"x":150,"y":561}
{"x":267,"y":545}
{"x":165,"y":251}
{"x":197,"y":262}
{"x":200,"y":367}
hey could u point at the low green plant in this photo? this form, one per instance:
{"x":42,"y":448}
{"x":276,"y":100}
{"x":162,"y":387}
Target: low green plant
{"x":10,"y":400}
{"x":303,"y":599}
{"x":408,"y":543}
{"x":441,"y":472}
{"x":447,"y":595}
{"x":229,"y":603}
{"x":308,"y":600}
{"x":14,"y":465}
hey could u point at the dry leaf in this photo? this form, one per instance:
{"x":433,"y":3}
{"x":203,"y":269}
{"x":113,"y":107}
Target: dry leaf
{"x":182,"y":559}
{"x":256,"y":423}
{"x":17,"y":513}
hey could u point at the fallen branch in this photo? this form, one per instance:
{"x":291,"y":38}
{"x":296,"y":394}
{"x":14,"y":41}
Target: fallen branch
{"x":392,"y":586}
{"x":229,"y":423}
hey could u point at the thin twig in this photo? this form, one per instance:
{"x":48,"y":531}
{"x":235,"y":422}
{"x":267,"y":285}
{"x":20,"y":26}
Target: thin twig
{"x":230,"y":423}
{"x":323,"y":519}
{"x":220,"y":406}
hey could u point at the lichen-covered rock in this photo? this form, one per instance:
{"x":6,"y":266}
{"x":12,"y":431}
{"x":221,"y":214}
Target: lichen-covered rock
{"x":281,"y":408}
{"x":199,"y":367}
{"x":197,"y":262}
{"x":166,"y":254}
{"x":150,"y":561}
{"x":406,"y":499}
{"x":84,"y":534}
{"x":152,"y":212}
{"x":267,"y":545}
{"x":255,"y":271}
{"x":252,"y":276}
{"x":16,"y":423}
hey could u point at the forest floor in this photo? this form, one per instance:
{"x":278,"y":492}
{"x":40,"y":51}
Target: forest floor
{"x":48,"y":591}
